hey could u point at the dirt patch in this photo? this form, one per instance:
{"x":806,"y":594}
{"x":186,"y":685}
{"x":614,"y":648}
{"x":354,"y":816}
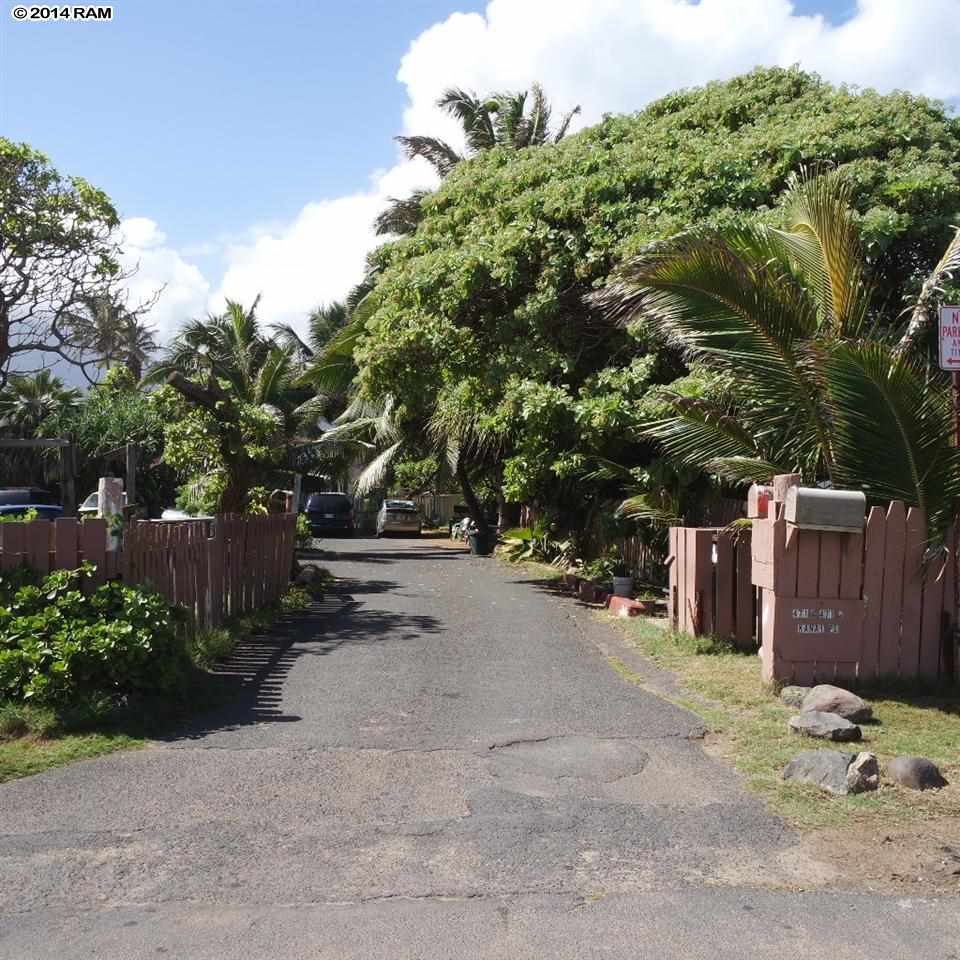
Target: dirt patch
{"x":920,"y":859}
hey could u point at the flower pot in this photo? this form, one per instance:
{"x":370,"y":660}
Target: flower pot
{"x":622,"y":586}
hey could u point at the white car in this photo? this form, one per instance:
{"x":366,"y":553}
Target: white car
{"x":89,"y":506}
{"x":399,"y":516}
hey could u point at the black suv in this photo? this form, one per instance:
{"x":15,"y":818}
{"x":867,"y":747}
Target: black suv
{"x":329,"y":513}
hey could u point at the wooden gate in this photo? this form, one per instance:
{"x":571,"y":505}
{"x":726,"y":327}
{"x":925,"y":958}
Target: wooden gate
{"x":710,"y":587}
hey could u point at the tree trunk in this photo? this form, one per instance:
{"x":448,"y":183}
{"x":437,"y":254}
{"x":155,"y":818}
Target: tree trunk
{"x":476,"y":514}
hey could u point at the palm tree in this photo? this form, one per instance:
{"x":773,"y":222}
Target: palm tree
{"x":226,"y":365}
{"x":323,"y":324}
{"x":27,"y":401}
{"x":497,"y":120}
{"x":785,"y":315}
{"x":111,"y":333}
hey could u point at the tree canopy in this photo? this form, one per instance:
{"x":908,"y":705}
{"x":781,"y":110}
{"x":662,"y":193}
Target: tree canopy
{"x":487,"y":302}
{"x":57,"y":245}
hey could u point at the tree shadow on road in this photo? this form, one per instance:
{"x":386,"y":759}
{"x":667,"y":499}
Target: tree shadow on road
{"x":247,"y":687}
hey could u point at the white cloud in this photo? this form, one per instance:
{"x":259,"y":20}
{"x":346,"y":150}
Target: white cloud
{"x":157,"y":265}
{"x":607,"y":56}
{"x":319,"y":256}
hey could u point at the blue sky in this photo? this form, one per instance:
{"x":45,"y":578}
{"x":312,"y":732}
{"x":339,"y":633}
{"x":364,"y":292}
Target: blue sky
{"x":250,"y":142}
{"x":214,"y":114}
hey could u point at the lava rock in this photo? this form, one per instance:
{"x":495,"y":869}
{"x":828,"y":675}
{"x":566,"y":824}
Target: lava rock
{"x":840,"y":773}
{"x":826,"y":726}
{"x":826,"y":698}
{"x":917,"y":773}
{"x":864,"y":773}
{"x":793,"y":696}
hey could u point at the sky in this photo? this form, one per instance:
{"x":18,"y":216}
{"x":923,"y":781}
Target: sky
{"x":248,"y":145}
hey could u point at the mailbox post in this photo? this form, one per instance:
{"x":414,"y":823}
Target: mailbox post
{"x":807,"y":565}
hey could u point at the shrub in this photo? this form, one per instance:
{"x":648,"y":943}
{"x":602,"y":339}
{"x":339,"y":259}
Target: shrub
{"x":304,"y":536}
{"x":60,"y":643}
{"x":25,"y":517}
{"x":296,"y":598}
{"x":209,"y":646}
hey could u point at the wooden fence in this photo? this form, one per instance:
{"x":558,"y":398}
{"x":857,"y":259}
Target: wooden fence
{"x":710,"y":587}
{"x":859,"y":606}
{"x":215,"y":569}
{"x":823,"y":606}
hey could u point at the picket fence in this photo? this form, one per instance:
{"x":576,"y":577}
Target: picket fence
{"x":710,"y":587}
{"x":215,"y":569}
{"x":823,"y":606}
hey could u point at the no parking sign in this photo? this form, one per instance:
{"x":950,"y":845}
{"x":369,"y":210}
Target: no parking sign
{"x":950,"y":337}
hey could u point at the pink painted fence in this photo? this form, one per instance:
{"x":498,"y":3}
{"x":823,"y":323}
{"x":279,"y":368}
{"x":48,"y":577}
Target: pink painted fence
{"x":855,"y":607}
{"x":215,"y":569}
{"x":710,"y":587}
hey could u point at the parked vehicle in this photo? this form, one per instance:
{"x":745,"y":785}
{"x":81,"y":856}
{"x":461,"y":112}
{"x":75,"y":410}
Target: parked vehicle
{"x":399,"y":516}
{"x":329,"y":512}
{"x":18,"y":500}
{"x":91,"y":504}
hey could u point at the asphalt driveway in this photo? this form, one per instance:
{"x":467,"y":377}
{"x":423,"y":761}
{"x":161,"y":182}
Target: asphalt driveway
{"x":439,"y":762}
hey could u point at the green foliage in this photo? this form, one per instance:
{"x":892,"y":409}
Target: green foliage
{"x":491,"y":288}
{"x":25,"y":719}
{"x":304,"y":533}
{"x":24,"y":517}
{"x":60,"y":640}
{"x":229,"y":409}
{"x":206,"y":647}
{"x":296,"y":599}
{"x":603,"y":569}
{"x":538,"y":543}
{"x":783,"y":314}
{"x":112,"y":414}
{"x":57,"y":241}
{"x":416,"y":476}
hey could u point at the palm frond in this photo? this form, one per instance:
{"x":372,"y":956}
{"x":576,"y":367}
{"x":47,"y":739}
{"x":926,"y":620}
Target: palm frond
{"x":823,"y":239}
{"x":565,"y":124}
{"x":642,"y":507}
{"x":923,"y":315}
{"x":375,"y":472}
{"x":438,"y":153}
{"x":894,"y":428}
{"x":720,"y":299}
{"x":474,"y":116}
{"x":402,"y":216}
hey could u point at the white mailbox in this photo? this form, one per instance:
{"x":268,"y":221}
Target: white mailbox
{"x":836,"y":511}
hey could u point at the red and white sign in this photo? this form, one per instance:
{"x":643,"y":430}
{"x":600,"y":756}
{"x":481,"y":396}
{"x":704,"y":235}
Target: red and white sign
{"x":950,"y":337}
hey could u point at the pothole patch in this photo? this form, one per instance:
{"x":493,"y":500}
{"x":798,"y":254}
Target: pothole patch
{"x":591,"y":759}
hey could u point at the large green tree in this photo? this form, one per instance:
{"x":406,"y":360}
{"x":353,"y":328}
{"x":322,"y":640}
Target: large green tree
{"x":487,"y":304}
{"x":57,"y":245}
{"x":230,"y":409}
{"x":512,"y":120}
{"x":811,"y":381}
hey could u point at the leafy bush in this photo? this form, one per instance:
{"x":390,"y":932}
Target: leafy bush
{"x":26,"y":516}
{"x":60,"y":644}
{"x":208,"y":646}
{"x":304,"y":535}
{"x":538,"y":543}
{"x":296,"y":598}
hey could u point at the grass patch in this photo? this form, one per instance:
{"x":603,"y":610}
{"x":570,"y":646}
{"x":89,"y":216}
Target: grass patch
{"x":36,"y":738}
{"x":749,"y":724}
{"x":25,"y":756}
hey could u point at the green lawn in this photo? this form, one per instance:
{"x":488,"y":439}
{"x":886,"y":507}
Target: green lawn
{"x":748,"y":727}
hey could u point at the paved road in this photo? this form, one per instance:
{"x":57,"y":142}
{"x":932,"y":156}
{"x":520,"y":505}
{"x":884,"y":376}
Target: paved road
{"x":439,"y":763}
